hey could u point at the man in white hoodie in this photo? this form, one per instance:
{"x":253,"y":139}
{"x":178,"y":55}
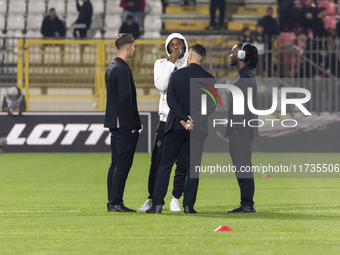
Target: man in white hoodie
{"x":177,"y":49}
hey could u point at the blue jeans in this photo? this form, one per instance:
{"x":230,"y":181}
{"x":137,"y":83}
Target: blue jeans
{"x":135,"y":16}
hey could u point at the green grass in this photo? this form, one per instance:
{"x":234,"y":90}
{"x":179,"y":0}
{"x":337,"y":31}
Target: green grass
{"x":56,"y":204}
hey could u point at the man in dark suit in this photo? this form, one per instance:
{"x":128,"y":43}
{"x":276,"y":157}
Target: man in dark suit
{"x":177,"y":128}
{"x":244,"y":56}
{"x":122,"y":118}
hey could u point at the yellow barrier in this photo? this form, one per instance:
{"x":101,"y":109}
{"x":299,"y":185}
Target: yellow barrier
{"x":34,"y":69}
{"x":60,"y":75}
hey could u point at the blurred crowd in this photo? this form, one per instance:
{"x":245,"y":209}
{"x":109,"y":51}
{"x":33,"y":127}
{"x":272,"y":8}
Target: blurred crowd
{"x":53,"y":27}
{"x":311,"y":30}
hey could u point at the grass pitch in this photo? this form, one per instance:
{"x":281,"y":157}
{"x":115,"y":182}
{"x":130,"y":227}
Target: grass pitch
{"x":56,"y":204}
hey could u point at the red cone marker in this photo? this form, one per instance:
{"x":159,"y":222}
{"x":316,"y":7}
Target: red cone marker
{"x":223,"y":228}
{"x":267,"y":176}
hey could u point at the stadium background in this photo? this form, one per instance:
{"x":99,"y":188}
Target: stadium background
{"x":55,"y":203}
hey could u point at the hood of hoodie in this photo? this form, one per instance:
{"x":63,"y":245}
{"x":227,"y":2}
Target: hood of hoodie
{"x":183,"y":61}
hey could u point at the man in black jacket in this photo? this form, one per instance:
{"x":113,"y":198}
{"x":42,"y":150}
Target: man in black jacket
{"x":319,"y":30}
{"x":286,"y":15}
{"x":306,"y":15}
{"x":84,"y":20}
{"x":130,"y":27}
{"x":177,"y":128}
{"x":122,"y":118}
{"x":270,"y":29}
{"x":270,"y":26}
{"x":52,"y":26}
{"x":244,"y":57}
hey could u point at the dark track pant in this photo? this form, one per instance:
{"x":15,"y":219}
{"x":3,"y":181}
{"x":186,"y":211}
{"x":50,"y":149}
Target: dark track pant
{"x":240,"y":147}
{"x":80,"y":33}
{"x":123,"y":147}
{"x":172,"y":144}
{"x":181,"y":169}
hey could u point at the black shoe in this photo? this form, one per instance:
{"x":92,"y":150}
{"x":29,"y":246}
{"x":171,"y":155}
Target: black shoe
{"x":244,"y":209}
{"x":155,"y":209}
{"x":189,"y":209}
{"x":118,"y":208}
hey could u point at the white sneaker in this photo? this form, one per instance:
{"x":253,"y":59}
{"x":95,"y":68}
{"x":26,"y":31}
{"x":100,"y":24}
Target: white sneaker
{"x":147,"y":205}
{"x":174,"y":205}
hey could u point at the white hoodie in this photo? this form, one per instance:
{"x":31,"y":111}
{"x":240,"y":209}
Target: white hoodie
{"x":162,"y":71}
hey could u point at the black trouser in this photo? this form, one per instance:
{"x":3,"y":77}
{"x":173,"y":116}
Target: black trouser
{"x":287,"y":19}
{"x":82,"y":33}
{"x":174,"y":140}
{"x":123,"y":146}
{"x":181,"y":162}
{"x":240,"y":147}
{"x":213,"y":6}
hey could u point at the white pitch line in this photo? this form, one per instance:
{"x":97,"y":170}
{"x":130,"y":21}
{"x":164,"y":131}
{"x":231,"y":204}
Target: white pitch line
{"x":309,"y":211}
{"x":40,"y":211}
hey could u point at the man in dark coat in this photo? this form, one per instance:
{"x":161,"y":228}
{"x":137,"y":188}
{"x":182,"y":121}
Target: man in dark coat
{"x":177,"y":128}
{"x":244,"y":56}
{"x":306,"y":15}
{"x":52,"y":26}
{"x":130,"y":27}
{"x":84,"y":20}
{"x":286,"y":15}
{"x":122,"y":118}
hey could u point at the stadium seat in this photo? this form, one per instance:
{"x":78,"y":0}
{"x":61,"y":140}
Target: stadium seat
{"x":329,"y":22}
{"x":2,"y":22}
{"x":302,"y":3}
{"x":13,"y":34}
{"x":17,"y":7}
{"x":98,"y":7}
{"x":112,"y":7}
{"x":98,"y":35}
{"x":69,"y":34}
{"x":156,"y":7}
{"x":91,"y":33}
{"x":113,"y":22}
{"x":286,"y":39}
{"x":111,"y":33}
{"x":151,"y":35}
{"x":71,"y":8}
{"x":58,"y":5}
{"x":152,"y":23}
{"x":34,"y":22}
{"x":15,"y":22}
{"x":329,"y":5}
{"x":69,"y":20}
{"x":37,"y":6}
{"x":3,"y":7}
{"x":33,"y":34}
{"x":97,"y":22}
